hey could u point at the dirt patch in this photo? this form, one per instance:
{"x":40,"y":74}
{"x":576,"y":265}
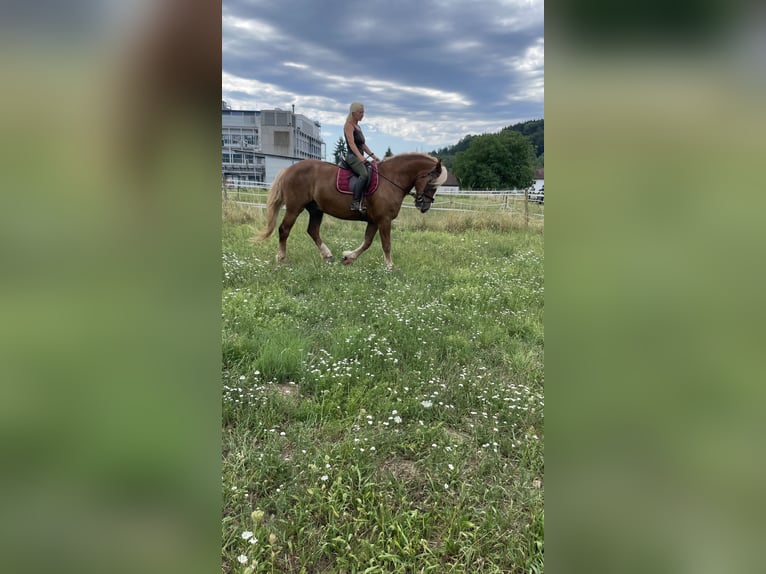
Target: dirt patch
{"x":401,"y":469}
{"x":287,"y":390}
{"x":458,"y":436}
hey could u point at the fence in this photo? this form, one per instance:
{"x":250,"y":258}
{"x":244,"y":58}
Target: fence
{"x":515,"y":201}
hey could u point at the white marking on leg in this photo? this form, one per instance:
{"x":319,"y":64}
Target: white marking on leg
{"x":325,"y":251}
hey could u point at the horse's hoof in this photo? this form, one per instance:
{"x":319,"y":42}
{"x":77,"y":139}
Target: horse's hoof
{"x":330,"y":259}
{"x":347,"y":261}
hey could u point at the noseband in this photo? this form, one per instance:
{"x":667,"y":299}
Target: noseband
{"x":429,"y":187}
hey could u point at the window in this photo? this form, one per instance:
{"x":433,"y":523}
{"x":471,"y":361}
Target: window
{"x":281,"y":139}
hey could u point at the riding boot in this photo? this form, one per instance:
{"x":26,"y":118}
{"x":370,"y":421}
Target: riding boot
{"x":359,"y":186}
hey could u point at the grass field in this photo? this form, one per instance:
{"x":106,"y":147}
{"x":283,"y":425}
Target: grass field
{"x":384,"y":421}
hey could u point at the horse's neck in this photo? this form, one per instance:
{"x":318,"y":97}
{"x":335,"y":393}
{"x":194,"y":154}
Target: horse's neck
{"x":405,"y":174}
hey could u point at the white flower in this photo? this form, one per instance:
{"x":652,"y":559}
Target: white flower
{"x":242,"y":559}
{"x":324,"y":478}
{"x":426,"y":404}
{"x":246,"y":535}
{"x":451,"y":466}
{"x":397,"y":419}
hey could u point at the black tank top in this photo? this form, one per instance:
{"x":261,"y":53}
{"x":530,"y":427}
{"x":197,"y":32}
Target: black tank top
{"x":358,"y":140}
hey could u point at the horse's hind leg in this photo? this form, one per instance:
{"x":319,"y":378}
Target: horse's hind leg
{"x":315,"y":221}
{"x":284,"y":232}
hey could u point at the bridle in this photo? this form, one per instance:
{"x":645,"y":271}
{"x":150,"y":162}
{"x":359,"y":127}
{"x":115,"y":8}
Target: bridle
{"x":429,"y":186}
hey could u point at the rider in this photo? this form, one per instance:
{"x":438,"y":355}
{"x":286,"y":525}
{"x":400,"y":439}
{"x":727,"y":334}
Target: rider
{"x":356,"y":150}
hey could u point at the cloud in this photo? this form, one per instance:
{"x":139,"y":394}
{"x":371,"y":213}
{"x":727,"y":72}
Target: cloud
{"x":431,"y":71}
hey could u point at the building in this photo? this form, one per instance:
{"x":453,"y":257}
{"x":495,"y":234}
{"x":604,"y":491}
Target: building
{"x":255,"y":145}
{"x":450,"y":185}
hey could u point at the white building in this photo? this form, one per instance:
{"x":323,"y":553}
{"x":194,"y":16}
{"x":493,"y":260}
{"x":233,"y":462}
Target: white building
{"x":255,"y":145}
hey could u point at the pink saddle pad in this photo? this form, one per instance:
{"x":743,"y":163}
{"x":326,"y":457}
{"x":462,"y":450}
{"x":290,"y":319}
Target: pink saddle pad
{"x":344,"y":177}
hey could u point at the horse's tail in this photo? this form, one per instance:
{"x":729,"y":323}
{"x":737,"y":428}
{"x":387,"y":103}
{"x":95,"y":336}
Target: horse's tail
{"x":274,"y":203}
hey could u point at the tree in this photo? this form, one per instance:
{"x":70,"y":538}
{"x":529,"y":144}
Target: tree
{"x":447,"y":154}
{"x":534,"y":131}
{"x":340,"y":150}
{"x":494,"y":161}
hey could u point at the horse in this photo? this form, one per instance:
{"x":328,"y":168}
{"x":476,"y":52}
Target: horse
{"x":310,"y":184}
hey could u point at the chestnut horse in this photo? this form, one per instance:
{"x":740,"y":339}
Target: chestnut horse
{"x":311,"y":184}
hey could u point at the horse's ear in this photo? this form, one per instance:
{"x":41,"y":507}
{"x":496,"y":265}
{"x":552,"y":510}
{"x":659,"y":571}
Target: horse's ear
{"x":438,"y":168}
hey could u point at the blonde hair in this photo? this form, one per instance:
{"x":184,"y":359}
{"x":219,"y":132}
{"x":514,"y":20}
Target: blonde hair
{"x":354,"y":107}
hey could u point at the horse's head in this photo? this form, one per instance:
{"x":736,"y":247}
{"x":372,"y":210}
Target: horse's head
{"x":426,"y":184}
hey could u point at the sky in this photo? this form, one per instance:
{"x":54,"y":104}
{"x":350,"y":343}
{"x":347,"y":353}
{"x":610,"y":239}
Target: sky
{"x":429,"y":72}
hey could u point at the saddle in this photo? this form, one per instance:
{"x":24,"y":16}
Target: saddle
{"x":346,"y":178}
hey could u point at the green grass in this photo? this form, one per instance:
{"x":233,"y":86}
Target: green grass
{"x":384,"y":421}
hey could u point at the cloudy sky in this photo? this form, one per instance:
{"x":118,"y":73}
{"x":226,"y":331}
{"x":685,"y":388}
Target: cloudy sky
{"x":429,"y":72}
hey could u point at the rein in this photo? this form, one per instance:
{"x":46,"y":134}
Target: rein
{"x":407,"y":191}
{"x":396,"y":184}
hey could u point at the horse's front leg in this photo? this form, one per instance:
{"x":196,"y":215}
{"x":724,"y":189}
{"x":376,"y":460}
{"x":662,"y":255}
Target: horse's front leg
{"x":369,"y":235}
{"x":385,"y":242}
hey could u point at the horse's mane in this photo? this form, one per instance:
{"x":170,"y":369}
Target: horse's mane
{"x":423,"y":154}
{"x":408,"y":153}
{"x":442,"y":176}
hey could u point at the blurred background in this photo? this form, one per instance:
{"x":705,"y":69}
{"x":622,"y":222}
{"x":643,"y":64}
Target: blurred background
{"x":653,"y":278}
{"x":110,"y":304}
{"x":109,"y":289}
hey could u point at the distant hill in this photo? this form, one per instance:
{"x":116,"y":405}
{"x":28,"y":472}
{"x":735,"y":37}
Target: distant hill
{"x":533,"y":130}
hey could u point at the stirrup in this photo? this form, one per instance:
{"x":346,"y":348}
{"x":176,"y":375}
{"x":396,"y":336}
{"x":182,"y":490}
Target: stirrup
{"x":356,"y":205}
